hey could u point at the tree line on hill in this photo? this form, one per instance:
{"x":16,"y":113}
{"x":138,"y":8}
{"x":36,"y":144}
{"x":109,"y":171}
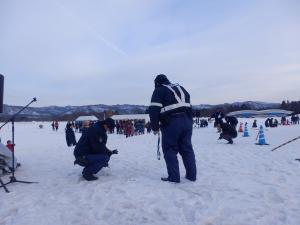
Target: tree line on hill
{"x":292,"y":106}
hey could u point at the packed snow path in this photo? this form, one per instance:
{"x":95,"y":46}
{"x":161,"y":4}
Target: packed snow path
{"x":239,"y":184}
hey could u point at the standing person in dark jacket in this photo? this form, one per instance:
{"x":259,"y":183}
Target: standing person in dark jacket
{"x":70,"y":135}
{"x":254,"y":125}
{"x":170,"y":111}
{"x":228,"y":132}
{"x":91,"y":151}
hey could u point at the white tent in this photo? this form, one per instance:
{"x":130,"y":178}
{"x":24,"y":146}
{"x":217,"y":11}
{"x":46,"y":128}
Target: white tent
{"x":132,"y":117}
{"x":87,"y":118}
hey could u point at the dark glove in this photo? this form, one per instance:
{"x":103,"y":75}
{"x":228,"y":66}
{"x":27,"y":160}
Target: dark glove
{"x":115,"y":151}
{"x":112,"y":152}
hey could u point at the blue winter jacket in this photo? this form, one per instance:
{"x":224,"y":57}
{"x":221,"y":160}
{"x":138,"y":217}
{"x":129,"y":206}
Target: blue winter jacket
{"x":168,"y":99}
{"x":93,"y":141}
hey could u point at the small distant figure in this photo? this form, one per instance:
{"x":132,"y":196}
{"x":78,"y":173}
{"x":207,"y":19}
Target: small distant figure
{"x":70,"y":135}
{"x":118,"y":127}
{"x":276,"y":123}
{"x":10,"y":146}
{"x":295,"y":119}
{"x":241,"y":130}
{"x":53,"y":125}
{"x":283,"y":120}
{"x":254,"y":125}
{"x":148,"y":127}
{"x":76,"y":126}
{"x":85,"y":126}
{"x":41,"y":126}
{"x":228,"y":132}
{"x":203,"y":123}
{"x":56,"y":125}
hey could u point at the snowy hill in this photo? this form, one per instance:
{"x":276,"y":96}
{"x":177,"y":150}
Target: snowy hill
{"x":71,"y":112}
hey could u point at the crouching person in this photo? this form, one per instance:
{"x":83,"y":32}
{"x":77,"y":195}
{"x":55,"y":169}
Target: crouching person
{"x":91,"y":151}
{"x":228,"y":132}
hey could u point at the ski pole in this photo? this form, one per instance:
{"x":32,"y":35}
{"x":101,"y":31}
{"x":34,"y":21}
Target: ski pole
{"x":158,"y":144}
{"x":285,"y":143}
{"x":257,"y":136}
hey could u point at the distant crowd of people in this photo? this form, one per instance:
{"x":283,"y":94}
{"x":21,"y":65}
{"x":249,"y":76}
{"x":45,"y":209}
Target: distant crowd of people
{"x":295,"y":119}
{"x":200,"y":122}
{"x":125,"y":127}
{"x":271,"y":122}
{"x":226,"y":125}
{"x":132,"y":127}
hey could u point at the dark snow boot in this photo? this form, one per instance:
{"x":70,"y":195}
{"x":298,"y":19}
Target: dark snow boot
{"x":167,"y":179}
{"x":230,"y":142}
{"x":164,"y":179}
{"x":89,"y":176}
{"x":190,"y":179}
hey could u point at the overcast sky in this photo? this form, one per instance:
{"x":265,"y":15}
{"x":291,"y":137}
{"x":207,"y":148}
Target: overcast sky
{"x":79,"y":52}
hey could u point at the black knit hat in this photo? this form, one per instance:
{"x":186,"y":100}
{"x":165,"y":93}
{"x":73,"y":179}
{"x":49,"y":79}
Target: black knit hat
{"x":161,"y":79}
{"x":110,"y":123}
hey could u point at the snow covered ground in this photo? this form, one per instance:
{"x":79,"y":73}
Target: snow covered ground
{"x":240,"y":184}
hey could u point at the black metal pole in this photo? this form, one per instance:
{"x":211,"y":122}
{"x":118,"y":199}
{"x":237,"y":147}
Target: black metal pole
{"x":285,"y":143}
{"x":158,"y":145}
{"x":13,"y":117}
{"x":3,"y":185}
{"x":13,"y":146}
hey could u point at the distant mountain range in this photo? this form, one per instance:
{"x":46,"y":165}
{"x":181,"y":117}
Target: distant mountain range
{"x":72,"y":112}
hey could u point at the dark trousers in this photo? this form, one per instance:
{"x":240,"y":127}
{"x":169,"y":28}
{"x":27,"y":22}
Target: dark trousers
{"x":227,"y":137}
{"x":95,"y":163}
{"x":176,"y":138}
